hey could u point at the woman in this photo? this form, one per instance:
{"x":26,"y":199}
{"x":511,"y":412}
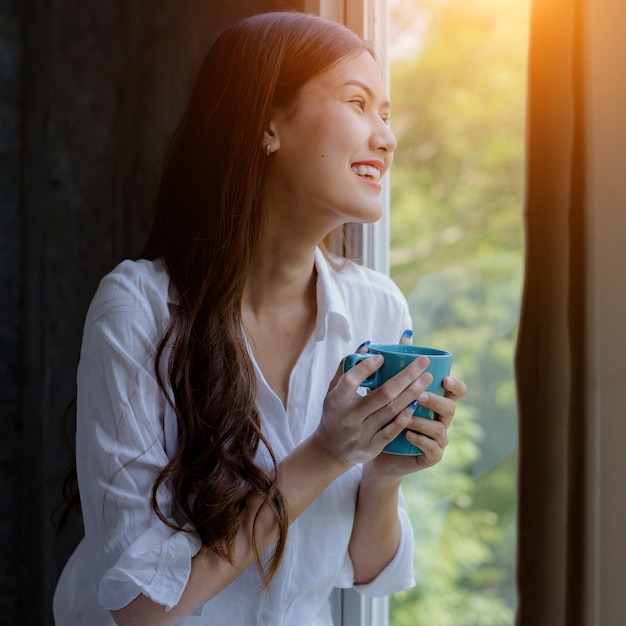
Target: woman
{"x":229,"y":472}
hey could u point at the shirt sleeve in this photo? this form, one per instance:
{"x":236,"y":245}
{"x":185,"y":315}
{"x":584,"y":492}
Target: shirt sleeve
{"x":397,"y":575}
{"x":122,"y":445}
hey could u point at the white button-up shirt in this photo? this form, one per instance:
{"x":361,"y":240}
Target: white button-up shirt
{"x":126,"y":432}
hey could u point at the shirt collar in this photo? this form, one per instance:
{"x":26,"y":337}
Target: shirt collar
{"x":331,"y":307}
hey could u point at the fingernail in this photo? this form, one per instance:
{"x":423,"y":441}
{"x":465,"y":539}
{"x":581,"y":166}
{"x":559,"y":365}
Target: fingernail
{"x":423,"y":398}
{"x":363,"y":345}
{"x":450,"y":382}
{"x":407,"y":334}
{"x":423,"y":361}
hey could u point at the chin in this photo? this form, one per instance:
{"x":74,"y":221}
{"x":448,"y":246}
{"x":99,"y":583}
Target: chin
{"x":369,"y":217}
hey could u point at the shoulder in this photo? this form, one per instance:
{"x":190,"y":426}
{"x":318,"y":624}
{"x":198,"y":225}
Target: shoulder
{"x":133,"y":283}
{"x":131,"y":300}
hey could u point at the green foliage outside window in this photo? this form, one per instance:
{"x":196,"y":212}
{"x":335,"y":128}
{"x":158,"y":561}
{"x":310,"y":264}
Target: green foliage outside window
{"x":457,"y":253}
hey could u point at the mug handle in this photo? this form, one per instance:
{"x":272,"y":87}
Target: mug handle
{"x":351,"y":360}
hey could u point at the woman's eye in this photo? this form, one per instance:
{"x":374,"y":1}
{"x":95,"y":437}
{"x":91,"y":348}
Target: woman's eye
{"x":359,"y":102}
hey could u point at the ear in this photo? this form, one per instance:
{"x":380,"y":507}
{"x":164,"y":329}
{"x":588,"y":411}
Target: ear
{"x":271,"y":137}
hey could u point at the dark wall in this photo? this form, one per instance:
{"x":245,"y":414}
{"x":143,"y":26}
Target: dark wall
{"x":90,"y":92}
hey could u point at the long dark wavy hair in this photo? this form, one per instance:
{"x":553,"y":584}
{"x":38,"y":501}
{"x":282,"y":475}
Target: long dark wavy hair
{"x":207,"y":218}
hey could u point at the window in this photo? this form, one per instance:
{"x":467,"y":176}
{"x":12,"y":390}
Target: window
{"x":458,"y":73}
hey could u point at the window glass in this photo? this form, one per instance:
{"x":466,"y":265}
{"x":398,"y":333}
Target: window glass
{"x":458,"y":72}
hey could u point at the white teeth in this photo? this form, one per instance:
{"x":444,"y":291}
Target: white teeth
{"x":366,"y":170}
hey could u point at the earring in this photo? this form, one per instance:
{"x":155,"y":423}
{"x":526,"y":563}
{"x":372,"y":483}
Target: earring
{"x":268,"y":149}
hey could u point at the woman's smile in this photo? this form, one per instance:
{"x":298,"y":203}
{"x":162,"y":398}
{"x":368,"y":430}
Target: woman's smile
{"x":369,"y":171}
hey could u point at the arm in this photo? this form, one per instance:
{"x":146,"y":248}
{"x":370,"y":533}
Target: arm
{"x":301,"y":478}
{"x":376,"y":530}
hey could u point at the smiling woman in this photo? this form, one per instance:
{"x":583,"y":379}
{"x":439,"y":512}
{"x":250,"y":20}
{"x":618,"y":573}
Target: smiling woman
{"x":229,"y":471}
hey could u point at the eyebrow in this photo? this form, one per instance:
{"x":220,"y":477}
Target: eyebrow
{"x":367,"y":90}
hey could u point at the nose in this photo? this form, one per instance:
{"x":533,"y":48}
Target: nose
{"x":382,"y":138}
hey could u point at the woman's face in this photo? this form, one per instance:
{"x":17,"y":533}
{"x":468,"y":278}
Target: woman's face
{"x":331,"y":148}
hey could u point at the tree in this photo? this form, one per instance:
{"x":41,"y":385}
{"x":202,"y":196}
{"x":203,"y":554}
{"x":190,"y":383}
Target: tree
{"x":456,"y":251}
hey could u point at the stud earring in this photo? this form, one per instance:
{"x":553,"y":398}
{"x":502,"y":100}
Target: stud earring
{"x":268,"y":149}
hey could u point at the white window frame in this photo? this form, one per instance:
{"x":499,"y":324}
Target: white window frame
{"x":369,"y":18}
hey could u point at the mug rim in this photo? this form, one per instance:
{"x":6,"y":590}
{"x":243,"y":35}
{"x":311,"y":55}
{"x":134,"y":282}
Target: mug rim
{"x":402,"y":348}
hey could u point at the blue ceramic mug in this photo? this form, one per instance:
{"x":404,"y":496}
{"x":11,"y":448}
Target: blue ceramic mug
{"x":397,"y":357}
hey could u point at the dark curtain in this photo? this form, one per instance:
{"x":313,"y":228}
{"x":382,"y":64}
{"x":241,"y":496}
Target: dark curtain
{"x":551,"y":350}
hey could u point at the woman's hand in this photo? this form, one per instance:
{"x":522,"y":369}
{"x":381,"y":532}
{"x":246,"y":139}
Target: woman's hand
{"x":356,"y":428}
{"x":431,"y":436}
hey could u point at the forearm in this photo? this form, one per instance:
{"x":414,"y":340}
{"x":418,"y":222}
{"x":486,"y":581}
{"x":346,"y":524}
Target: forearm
{"x":301,"y":477}
{"x":376,"y":530}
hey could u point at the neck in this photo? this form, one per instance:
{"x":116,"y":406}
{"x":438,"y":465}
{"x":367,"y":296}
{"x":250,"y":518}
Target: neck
{"x":282,"y":276}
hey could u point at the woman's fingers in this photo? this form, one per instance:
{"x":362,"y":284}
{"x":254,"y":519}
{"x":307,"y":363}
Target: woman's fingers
{"x":389,"y":431}
{"x":402,"y":389}
{"x":432,"y":435}
{"x":383,"y":405}
{"x":443,"y":406}
{"x":432,"y":448}
{"x":355,"y":376}
{"x":455,"y":387}
{"x":407,"y":336}
{"x":435,"y":430}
